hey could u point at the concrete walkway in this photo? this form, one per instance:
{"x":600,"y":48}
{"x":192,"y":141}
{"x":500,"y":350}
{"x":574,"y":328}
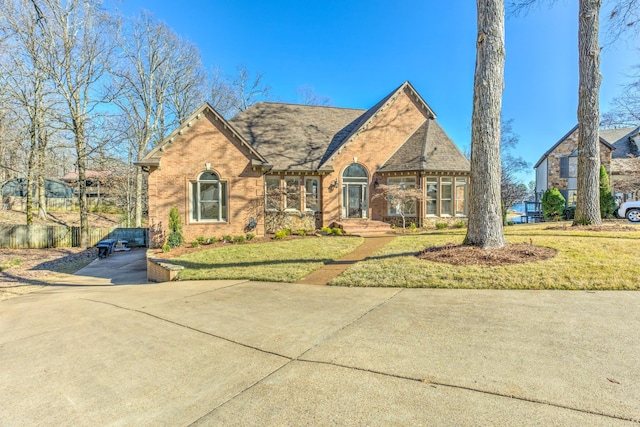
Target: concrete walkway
{"x":327,"y":273}
{"x":246,"y":353}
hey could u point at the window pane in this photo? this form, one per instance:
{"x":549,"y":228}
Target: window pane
{"x":446,"y":196}
{"x":292,"y":193}
{"x":355,"y":170}
{"x":208,"y":176}
{"x":194,"y":201}
{"x":223,"y":201}
{"x":311,"y":194}
{"x":208,"y":192}
{"x":461,"y":193}
{"x":208,"y":210}
{"x":272,"y":192}
{"x":432,"y":196}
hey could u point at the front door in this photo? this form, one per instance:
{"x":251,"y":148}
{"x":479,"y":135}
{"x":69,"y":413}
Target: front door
{"x":354,"y":201}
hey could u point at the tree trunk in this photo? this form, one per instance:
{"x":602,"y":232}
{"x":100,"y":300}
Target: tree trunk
{"x":82,"y":186}
{"x":485,"y":216}
{"x":42,"y":191}
{"x":588,"y":197}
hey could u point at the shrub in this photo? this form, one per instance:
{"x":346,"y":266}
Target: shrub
{"x":459,"y":224}
{"x":510,"y":222}
{"x":287,"y":231}
{"x":337,"y":231}
{"x":607,"y":199}
{"x":281,"y":234}
{"x":250,"y":236}
{"x":441,"y":225}
{"x":175,"y":237}
{"x":201,"y":240}
{"x":227,"y":238}
{"x":195,"y":244}
{"x":552,"y":205}
{"x":325,"y":231}
{"x":569,"y":213}
{"x":413,"y":227}
{"x":238,"y":239}
{"x":302,"y":233}
{"x":166,"y":248}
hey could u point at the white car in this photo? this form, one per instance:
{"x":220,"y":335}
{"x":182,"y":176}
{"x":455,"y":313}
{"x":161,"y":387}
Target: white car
{"x":630,"y":210}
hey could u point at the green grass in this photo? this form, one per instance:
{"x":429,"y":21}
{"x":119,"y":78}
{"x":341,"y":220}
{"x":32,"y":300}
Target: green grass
{"x":11,"y":263}
{"x":285,"y":261}
{"x":585,"y":260}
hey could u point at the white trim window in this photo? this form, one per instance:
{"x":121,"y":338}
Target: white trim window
{"x":272,"y":194}
{"x":209,"y":198}
{"x":409,"y":208}
{"x":291,"y":193}
{"x":461,"y":196}
{"x":312,"y":194}
{"x":432,"y":196}
{"x":446,"y":196}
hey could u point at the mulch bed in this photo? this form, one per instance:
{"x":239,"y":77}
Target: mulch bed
{"x":512,"y":253}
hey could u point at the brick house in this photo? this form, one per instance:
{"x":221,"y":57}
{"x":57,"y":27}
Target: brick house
{"x":277,"y":166}
{"x":558,"y":167}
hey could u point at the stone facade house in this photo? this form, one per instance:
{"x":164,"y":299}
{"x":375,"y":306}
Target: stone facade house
{"x":558,"y":167}
{"x":278,"y":166}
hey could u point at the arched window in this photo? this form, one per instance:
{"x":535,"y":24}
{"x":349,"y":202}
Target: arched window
{"x":355,"y":170}
{"x":208,"y":198}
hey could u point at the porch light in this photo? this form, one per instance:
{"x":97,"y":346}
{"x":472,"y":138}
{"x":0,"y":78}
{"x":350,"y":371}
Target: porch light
{"x":333,"y":185}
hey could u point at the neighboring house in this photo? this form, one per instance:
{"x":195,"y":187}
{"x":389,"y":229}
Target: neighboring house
{"x":14,"y":193}
{"x":558,"y":167}
{"x":279,"y":166}
{"x":98,"y":184}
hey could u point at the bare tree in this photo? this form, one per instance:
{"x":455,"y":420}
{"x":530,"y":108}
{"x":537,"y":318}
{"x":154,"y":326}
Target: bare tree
{"x":28,"y":92}
{"x":157,"y":84}
{"x":248,"y":89}
{"x":485,"y":218}
{"x":77,"y":49}
{"x":307,"y":96}
{"x":625,"y":108}
{"x":401,"y":197}
{"x":624,"y":17}
{"x":511,"y":191}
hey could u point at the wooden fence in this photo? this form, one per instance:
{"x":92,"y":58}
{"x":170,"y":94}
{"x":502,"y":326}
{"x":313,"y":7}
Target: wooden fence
{"x":43,"y":236}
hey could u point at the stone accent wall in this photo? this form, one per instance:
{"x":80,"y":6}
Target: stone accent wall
{"x":564,"y":149}
{"x":275,"y":221}
{"x":206,"y":141}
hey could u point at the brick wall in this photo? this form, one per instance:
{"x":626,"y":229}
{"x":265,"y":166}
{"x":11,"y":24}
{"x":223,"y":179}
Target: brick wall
{"x":206,"y":141}
{"x":371,"y":149}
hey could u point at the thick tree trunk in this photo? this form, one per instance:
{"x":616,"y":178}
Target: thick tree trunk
{"x":588,"y":197}
{"x":485,"y":216}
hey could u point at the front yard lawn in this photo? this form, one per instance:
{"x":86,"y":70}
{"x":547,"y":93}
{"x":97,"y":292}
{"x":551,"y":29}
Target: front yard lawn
{"x":586,"y":260}
{"x":285,"y":261}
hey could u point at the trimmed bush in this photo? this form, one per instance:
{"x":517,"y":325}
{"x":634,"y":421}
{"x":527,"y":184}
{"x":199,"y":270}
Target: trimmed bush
{"x":302,"y":232}
{"x":250,"y":236}
{"x":553,"y":204}
{"x":413,"y":227}
{"x":166,"y":248}
{"x":459,"y":224}
{"x":238,"y":239}
{"x":281,"y":234}
{"x":569,"y":213}
{"x":227,"y":238}
{"x":175,"y":237}
{"x":195,"y":244}
{"x":441,"y":225}
{"x":337,"y":231}
{"x":325,"y":231}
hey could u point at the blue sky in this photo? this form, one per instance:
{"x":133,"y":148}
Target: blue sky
{"x":356,"y":52}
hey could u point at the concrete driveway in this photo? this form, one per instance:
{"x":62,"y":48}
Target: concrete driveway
{"x":246,"y":353}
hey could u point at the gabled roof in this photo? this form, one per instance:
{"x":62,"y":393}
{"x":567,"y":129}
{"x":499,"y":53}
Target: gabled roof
{"x":362,"y":123}
{"x":622,"y":140}
{"x":568,"y":134}
{"x":153,"y":157}
{"x":428,"y":148}
{"x":293,"y":137}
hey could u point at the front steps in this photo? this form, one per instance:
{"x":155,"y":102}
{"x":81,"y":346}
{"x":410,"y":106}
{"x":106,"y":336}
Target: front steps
{"x":363,"y":226}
